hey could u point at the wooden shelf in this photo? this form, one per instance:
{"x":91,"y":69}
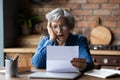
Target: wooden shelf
{"x":20,"y":50}
{"x":105,"y":52}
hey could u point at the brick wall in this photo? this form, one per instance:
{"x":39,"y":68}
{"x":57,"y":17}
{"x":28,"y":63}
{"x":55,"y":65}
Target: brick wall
{"x":86,"y":13}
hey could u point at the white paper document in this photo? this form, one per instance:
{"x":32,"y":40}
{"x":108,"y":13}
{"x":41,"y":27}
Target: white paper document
{"x":59,"y":58}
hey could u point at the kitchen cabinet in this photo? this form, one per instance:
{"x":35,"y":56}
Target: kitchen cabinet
{"x":25,"y":55}
{"x":106,"y":57}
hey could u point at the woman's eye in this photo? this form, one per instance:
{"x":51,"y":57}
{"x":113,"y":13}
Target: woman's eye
{"x":54,"y":27}
{"x":64,"y":27}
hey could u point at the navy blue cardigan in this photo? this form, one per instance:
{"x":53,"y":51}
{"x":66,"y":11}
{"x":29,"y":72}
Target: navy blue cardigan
{"x":39,"y":58}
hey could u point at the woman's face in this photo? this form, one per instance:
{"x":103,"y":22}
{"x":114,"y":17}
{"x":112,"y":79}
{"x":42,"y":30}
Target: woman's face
{"x":61,"y":29}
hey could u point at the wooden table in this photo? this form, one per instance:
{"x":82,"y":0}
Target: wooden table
{"x":23,"y":76}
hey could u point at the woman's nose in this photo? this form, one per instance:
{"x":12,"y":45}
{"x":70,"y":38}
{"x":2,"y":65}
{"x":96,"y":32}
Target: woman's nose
{"x":59,"y":30}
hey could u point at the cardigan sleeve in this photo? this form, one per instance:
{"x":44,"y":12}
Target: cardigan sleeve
{"x":39,"y":58}
{"x":85,"y":53}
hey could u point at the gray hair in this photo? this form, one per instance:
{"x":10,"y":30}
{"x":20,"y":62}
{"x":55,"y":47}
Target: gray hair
{"x":57,"y":13}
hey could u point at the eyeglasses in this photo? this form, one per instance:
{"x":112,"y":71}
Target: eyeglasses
{"x":63,"y":27}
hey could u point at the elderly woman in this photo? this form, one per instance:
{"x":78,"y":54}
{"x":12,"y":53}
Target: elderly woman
{"x":60,"y":24}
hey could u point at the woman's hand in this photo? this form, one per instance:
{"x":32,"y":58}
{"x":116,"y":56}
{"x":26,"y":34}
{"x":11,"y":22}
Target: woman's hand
{"x":50,"y":32}
{"x":79,"y":63}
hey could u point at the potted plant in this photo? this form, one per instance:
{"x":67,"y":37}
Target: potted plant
{"x":27,"y":20}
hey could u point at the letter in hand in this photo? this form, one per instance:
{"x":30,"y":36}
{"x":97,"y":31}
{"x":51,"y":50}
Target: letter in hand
{"x":51,"y":32}
{"x":79,"y":63}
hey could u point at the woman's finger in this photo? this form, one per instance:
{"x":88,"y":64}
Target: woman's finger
{"x":80,"y":66}
{"x":79,"y":60}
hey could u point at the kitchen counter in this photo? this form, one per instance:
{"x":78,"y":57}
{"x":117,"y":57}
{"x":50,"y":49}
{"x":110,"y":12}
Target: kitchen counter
{"x":20,"y":50}
{"x":32,"y":50}
{"x":105,"y":52}
{"x":104,"y":57}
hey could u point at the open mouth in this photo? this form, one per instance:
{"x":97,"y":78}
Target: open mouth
{"x":60,"y":36}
